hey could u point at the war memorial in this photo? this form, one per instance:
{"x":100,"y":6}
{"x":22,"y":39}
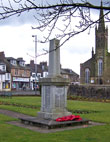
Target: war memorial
{"x":53,"y":95}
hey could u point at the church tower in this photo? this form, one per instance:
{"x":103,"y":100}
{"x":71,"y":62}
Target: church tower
{"x":96,"y":70}
{"x":101,"y":48}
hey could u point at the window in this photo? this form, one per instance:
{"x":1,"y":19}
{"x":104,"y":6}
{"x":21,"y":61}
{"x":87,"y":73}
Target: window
{"x":45,"y":74}
{"x":7,"y":76}
{"x":87,"y":75}
{"x":21,"y":63}
{"x":25,"y":73}
{"x":38,"y":75}
{"x":100,"y":67}
{"x":3,"y":68}
{"x":13,"y":62}
{"x":33,"y":74}
{"x":42,"y":67}
{"x":3,"y":85}
{"x":16,"y":71}
{"x":7,"y":85}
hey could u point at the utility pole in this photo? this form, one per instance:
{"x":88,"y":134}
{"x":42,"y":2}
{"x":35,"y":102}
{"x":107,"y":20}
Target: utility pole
{"x":35,"y":36}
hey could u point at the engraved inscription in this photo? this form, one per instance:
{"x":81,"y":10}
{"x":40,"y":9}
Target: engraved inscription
{"x":59,"y":97}
{"x":47,"y":96}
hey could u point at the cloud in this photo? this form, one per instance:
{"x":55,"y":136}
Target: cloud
{"x":77,"y":50}
{"x":28,"y":17}
{"x":16,"y":41}
{"x":25,"y":18}
{"x":81,"y":43}
{"x":19,"y":19}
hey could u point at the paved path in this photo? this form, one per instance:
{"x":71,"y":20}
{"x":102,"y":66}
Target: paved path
{"x":38,"y":129}
{"x":12,"y":113}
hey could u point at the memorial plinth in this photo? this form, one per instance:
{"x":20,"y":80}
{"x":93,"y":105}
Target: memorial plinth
{"x":54,"y":98}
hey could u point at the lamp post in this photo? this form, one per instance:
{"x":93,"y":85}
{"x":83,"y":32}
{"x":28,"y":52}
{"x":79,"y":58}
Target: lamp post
{"x":35,"y":36}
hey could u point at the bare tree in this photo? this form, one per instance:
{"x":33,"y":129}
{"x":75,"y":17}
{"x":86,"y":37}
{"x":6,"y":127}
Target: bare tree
{"x":72,"y":17}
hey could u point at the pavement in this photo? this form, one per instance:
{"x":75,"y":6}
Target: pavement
{"x":12,"y":113}
{"x":39,"y":129}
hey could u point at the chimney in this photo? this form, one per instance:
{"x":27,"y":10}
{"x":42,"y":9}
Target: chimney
{"x":32,"y":62}
{"x":2,"y":55}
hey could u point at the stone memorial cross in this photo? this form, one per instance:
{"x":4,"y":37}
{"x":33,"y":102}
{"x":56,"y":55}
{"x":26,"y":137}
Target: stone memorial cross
{"x":54,"y":87}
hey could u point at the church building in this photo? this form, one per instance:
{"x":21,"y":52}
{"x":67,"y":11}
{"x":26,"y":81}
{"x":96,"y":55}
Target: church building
{"x":96,"y":70}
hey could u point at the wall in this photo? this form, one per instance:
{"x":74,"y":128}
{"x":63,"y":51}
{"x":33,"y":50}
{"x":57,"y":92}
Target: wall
{"x":96,"y":91}
{"x":23,"y":73}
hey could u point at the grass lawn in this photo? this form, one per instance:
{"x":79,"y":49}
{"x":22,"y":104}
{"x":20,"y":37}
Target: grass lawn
{"x":96,"y":111}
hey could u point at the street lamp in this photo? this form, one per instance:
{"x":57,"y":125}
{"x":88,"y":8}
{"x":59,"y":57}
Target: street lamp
{"x":35,"y":36}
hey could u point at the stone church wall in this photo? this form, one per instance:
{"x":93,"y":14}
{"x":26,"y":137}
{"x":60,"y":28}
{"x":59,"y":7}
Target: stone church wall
{"x":89,"y":91}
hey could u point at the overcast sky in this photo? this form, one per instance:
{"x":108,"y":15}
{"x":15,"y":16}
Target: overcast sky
{"x":16,"y":41}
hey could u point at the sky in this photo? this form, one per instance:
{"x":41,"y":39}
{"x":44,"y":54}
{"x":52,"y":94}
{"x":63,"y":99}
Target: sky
{"x":16,"y":41}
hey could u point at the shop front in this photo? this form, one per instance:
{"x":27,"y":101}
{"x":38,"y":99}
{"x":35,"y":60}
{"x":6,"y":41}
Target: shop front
{"x":19,"y":83}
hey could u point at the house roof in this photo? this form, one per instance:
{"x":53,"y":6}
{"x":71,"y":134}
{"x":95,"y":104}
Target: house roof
{"x":6,"y":60}
{"x":69,"y":72}
{"x":20,"y":59}
{"x":10,"y":58}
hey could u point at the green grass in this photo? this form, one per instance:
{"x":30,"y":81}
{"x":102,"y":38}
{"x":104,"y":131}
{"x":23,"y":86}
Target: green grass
{"x":99,"y":112}
{"x":16,"y":103}
{"x":35,"y":101}
{"x":102,"y":110}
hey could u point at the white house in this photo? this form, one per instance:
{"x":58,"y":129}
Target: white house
{"x":5,"y":78}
